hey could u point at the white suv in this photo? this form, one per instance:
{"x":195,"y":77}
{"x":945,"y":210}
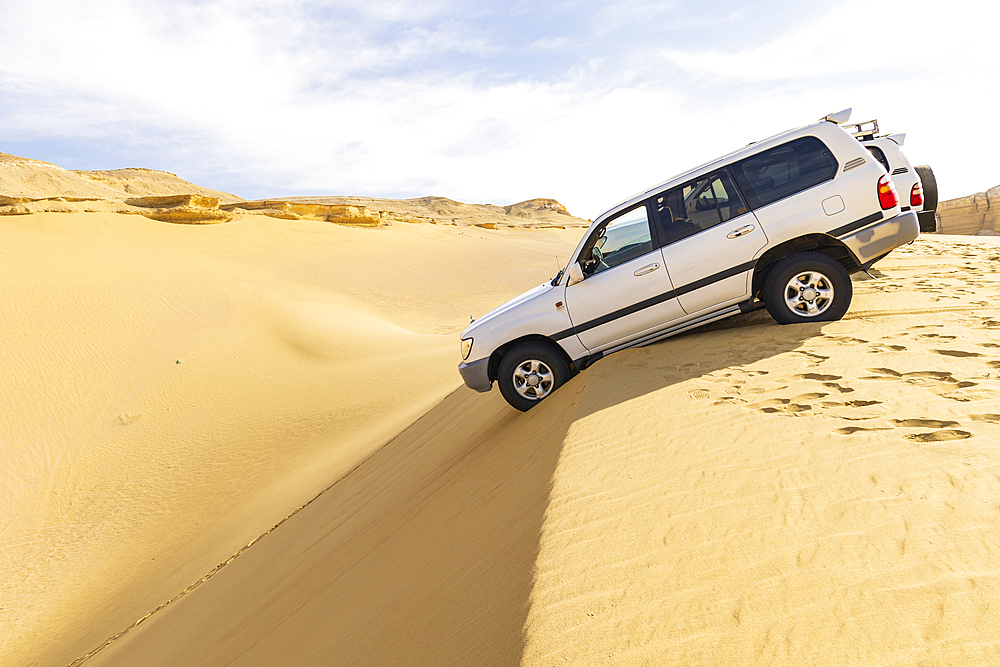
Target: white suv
{"x":783,"y":221}
{"x":917,"y":185}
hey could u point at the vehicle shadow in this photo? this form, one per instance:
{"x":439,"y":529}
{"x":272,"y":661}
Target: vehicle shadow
{"x":734,"y":343}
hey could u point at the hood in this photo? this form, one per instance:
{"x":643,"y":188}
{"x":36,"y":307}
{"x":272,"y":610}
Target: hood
{"x":510,"y":305}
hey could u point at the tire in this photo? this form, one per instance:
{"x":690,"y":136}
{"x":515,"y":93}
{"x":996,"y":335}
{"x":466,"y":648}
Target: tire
{"x":530,"y":372}
{"x":930,"y":186}
{"x":791,"y":282}
{"x":928,"y":221}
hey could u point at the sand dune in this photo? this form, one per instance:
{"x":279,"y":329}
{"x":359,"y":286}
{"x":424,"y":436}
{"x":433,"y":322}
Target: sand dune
{"x":747,"y":494}
{"x":171,"y":392}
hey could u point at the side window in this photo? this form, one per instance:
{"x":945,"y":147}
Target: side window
{"x":784,"y":170}
{"x":696,"y":206}
{"x":617,"y":241}
{"x":880,"y":156}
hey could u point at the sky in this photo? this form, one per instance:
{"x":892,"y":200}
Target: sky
{"x":484,"y":102}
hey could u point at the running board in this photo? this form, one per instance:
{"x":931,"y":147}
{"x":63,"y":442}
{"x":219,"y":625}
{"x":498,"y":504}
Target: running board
{"x":680,"y":328}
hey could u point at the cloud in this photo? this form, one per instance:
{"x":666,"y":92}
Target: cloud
{"x":482,"y":102}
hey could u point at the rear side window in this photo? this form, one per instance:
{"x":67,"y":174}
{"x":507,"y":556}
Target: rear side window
{"x":696,"y":206}
{"x":784,"y":170}
{"x":880,"y":156}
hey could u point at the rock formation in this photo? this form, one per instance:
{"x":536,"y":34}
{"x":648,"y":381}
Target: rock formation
{"x":31,"y":186}
{"x":977,"y":214}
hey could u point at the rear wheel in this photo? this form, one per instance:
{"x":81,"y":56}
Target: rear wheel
{"x":929,"y":184}
{"x":928,"y":221}
{"x":530,"y":372}
{"x":807,"y":287}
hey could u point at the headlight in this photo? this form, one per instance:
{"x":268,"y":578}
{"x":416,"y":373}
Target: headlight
{"x":466,"y":348}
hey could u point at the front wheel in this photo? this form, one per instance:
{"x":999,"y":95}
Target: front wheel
{"x":807,"y":287}
{"x":529,"y":372}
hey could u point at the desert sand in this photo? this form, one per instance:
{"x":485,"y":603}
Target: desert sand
{"x":247,"y":443}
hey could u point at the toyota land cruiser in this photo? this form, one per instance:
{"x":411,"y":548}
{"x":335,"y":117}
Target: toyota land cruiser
{"x":783,"y":221}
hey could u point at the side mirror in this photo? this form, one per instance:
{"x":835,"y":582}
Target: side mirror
{"x":575,"y":274}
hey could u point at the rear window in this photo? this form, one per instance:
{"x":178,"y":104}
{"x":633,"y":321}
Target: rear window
{"x":880,"y":156}
{"x":784,"y":170}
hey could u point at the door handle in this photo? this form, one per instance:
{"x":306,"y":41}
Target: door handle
{"x":649,"y":268}
{"x":745,"y":229}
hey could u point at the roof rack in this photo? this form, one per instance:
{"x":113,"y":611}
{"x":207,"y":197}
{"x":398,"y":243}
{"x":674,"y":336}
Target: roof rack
{"x":863,"y":130}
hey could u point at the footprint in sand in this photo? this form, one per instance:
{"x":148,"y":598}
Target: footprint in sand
{"x":881,"y":374}
{"x":842,"y":389}
{"x":924,"y":423}
{"x":780,"y":405}
{"x":790,"y":409}
{"x":847,"y":339}
{"x":812,"y":396}
{"x":957,"y":353}
{"x":989,"y":418}
{"x":881,"y":347}
{"x":851,"y":430}
{"x":816,"y":376}
{"x":729,"y":400}
{"x":939,"y":436}
{"x":815,"y":358}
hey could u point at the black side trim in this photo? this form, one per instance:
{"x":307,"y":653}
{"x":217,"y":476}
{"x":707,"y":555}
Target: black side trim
{"x":857,"y":224}
{"x":627,"y":310}
{"x":652,"y":301}
{"x":565,"y":333}
{"x":722,"y":275}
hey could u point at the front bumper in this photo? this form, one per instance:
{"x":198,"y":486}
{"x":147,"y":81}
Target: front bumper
{"x":878,"y":239}
{"x":477,"y":374}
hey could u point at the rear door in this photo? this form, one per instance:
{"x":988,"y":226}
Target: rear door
{"x":627,"y":291}
{"x":710,"y":239}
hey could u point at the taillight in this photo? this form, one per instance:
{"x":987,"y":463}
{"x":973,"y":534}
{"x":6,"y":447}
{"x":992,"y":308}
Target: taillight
{"x":917,"y":194}
{"x":887,"y":195}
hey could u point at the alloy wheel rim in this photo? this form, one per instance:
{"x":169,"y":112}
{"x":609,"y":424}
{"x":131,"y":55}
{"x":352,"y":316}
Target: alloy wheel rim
{"x":533,"y":379}
{"x":809,"y":294}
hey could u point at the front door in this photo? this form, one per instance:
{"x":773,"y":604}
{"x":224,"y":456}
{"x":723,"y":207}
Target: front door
{"x":626,"y":291}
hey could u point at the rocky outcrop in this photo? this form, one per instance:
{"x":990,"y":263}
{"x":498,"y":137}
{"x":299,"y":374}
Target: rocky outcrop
{"x":360,"y":216}
{"x":31,"y":186}
{"x":533,"y":213}
{"x":977,"y":214}
{"x":37,"y":180}
{"x":532,"y":207}
{"x":137,"y":182}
